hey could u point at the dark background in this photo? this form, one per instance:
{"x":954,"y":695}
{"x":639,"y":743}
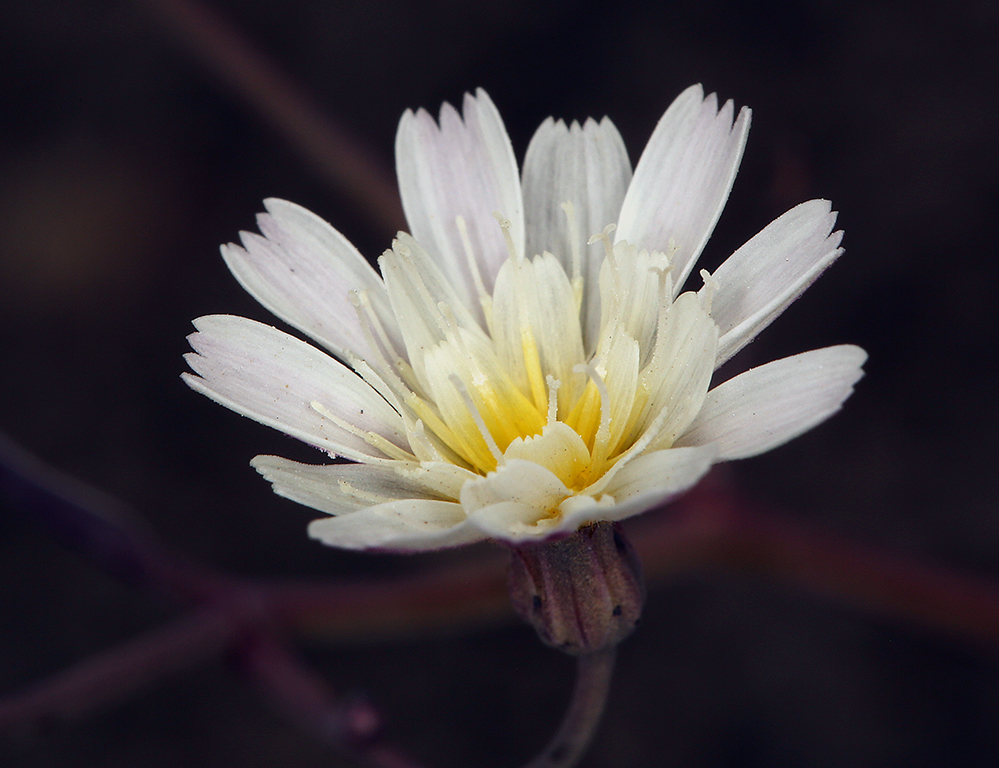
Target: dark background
{"x":123,"y":165}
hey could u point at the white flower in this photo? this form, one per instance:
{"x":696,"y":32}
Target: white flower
{"x":508,"y":378}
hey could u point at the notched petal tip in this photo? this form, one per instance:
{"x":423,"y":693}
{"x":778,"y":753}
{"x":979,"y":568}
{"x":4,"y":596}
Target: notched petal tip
{"x":463,"y":167}
{"x":684,"y":177}
{"x":771,"y":270}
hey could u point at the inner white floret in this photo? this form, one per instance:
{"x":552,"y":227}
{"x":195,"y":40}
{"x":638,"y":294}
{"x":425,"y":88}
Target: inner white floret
{"x":524,"y":387}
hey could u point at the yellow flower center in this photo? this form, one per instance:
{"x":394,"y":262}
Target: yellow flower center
{"x":520,"y":385}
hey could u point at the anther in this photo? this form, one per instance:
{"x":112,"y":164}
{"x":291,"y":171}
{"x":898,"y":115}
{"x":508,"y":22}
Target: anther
{"x":708,"y":290}
{"x":601,"y":443}
{"x":473,"y":265}
{"x":505,"y":225}
{"x":373,"y":439}
{"x":553,"y":385}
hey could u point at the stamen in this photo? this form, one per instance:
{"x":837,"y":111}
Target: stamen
{"x":612,"y":317}
{"x":532,"y":362}
{"x":643,"y":442}
{"x":372,"y":377}
{"x":708,"y":290}
{"x":416,"y":277}
{"x":671,"y":251}
{"x":373,"y":439}
{"x":505,"y":225}
{"x":553,"y":385}
{"x":485,"y":299}
{"x":604,"y":237}
{"x":366,"y":496}
{"x":665,"y":302}
{"x":448,"y":436}
{"x":360,"y":302}
{"x":476,"y":417}
{"x":423,"y":446}
{"x":375,"y":321}
{"x":502,"y":399}
{"x":455,"y":336}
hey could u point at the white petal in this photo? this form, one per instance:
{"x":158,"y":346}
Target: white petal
{"x":533,"y":305}
{"x":763,"y":277}
{"x":417,"y":289}
{"x":655,"y":479}
{"x":302,"y":270}
{"x":558,"y":448}
{"x":649,"y":481}
{"x":337,"y":489}
{"x":515,"y":522}
{"x":440,"y":478}
{"x":683,"y":179}
{"x":519,"y":481}
{"x":767,"y":406}
{"x":679,"y":373}
{"x":274,"y":378}
{"x":621,"y":363}
{"x":407,"y":525}
{"x":630,"y":293}
{"x":462,"y":168}
{"x":589,"y":168}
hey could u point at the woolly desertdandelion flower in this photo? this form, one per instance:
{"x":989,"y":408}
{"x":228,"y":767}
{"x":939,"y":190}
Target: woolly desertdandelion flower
{"x":527,"y":363}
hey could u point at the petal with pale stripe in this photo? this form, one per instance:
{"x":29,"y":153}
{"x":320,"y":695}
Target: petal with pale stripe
{"x":261,"y":372}
{"x":763,"y":277}
{"x":338,"y":489}
{"x":536,"y":327}
{"x":461,"y":167}
{"x":406,"y":525}
{"x":633,"y":284}
{"x":519,"y":481}
{"x":515,"y":522}
{"x":679,"y":373}
{"x":587,"y":166}
{"x":662,"y":473}
{"x":303,"y":270}
{"x":769,"y":405}
{"x":424,"y":299}
{"x":683,"y":179}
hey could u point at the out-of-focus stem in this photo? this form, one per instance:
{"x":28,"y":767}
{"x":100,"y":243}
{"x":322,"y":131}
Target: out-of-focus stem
{"x":119,"y":673}
{"x":439,"y":600}
{"x":712,"y":528}
{"x":594,"y":672}
{"x":95,"y":525}
{"x":350,"y":726}
{"x":716,"y":529}
{"x":342,"y":159}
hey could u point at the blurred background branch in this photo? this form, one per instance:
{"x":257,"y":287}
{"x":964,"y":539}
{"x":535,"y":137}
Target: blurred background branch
{"x":343,"y":160}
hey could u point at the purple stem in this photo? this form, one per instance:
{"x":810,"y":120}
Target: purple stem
{"x":93,"y":524}
{"x":351,"y":726}
{"x":119,"y":673}
{"x":351,"y":166}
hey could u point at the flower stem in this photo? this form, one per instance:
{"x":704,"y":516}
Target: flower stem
{"x":593,"y":677}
